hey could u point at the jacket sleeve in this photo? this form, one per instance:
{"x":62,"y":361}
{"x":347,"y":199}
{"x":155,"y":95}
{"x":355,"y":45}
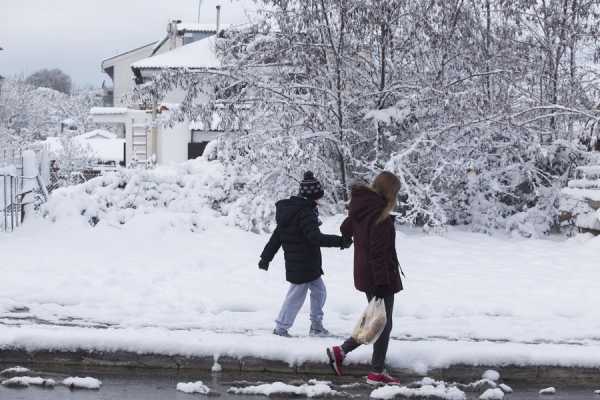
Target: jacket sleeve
{"x":309,"y":225}
{"x":379,"y":253}
{"x":346,"y":228}
{"x":272,"y":246}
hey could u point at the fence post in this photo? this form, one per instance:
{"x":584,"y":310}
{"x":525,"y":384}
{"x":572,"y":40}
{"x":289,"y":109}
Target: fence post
{"x":4,"y":203}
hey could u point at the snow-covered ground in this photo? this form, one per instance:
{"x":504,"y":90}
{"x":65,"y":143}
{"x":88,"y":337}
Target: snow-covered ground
{"x":161,"y":284}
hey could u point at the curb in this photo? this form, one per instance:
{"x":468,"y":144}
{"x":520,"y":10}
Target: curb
{"x":178,"y":363}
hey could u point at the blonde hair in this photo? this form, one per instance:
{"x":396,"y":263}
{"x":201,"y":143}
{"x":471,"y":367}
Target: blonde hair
{"x":387,"y":185}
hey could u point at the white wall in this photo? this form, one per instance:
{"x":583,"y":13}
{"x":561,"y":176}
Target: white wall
{"x":123,"y":79}
{"x":173,"y":143}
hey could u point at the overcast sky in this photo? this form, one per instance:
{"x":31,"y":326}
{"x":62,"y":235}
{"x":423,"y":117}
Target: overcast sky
{"x":76,"y":35}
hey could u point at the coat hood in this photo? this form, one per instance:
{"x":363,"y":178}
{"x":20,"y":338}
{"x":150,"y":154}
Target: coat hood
{"x":365,"y":203}
{"x":287,"y":209}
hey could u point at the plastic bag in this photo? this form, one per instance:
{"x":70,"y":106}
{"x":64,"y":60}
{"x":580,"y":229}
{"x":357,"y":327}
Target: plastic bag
{"x":372,"y":322}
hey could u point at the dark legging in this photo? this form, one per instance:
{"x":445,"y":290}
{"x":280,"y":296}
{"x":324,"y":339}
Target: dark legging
{"x":381,"y":345}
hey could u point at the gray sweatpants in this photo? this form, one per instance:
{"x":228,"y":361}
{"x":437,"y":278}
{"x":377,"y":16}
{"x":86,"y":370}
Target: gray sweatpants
{"x":295,"y":299}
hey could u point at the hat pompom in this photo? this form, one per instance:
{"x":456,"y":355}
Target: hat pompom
{"x":309,"y":176}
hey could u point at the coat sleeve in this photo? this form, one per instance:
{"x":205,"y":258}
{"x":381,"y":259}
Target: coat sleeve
{"x":309,"y":225}
{"x":272,"y":246}
{"x":379,"y":253}
{"x":346,"y":228}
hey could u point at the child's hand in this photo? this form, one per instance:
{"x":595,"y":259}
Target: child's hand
{"x":262,"y":264}
{"x":346,"y":242}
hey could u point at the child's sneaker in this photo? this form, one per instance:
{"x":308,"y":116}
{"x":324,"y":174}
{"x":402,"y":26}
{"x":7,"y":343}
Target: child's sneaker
{"x":383,"y":378}
{"x":336,"y":358}
{"x":318,"y":330}
{"x":281,"y":332}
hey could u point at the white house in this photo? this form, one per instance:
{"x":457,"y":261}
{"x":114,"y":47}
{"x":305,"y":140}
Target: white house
{"x":185,"y":46}
{"x":118,"y":67}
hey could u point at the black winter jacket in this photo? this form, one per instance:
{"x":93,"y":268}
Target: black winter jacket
{"x":298,"y":233}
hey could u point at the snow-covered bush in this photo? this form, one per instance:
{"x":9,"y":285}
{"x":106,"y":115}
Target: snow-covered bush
{"x":196,"y":187}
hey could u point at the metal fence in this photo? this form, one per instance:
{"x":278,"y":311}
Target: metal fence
{"x":11,"y":202}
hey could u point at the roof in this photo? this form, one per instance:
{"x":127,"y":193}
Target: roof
{"x":127,"y":52}
{"x":194,"y":27}
{"x":108,"y":111}
{"x":199,"y":54}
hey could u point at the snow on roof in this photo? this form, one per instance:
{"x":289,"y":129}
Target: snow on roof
{"x":99,"y":144}
{"x":195,"y":27}
{"x":199,"y":54}
{"x":108,"y":111}
{"x":97,"y":134}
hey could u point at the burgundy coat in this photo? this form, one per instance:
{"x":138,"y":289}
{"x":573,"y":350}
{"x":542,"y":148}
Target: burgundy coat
{"x":375,"y":260}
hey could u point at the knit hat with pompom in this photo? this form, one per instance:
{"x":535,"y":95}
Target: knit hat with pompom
{"x":310,"y":187}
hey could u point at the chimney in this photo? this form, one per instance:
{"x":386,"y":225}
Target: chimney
{"x":218,"y":19}
{"x":172,"y":33}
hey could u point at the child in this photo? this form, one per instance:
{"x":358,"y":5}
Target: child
{"x":298,"y":232}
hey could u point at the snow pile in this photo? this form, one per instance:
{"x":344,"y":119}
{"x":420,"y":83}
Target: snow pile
{"x":193,"y":387}
{"x":492,"y":394}
{"x":14,"y":370}
{"x":279,"y":388}
{"x":82,"y":383}
{"x":194,"y":188}
{"x":25,"y":381}
{"x":548,"y":391}
{"x":505,"y":388}
{"x":438,"y":390}
{"x":478,"y":386}
{"x":491,"y":375}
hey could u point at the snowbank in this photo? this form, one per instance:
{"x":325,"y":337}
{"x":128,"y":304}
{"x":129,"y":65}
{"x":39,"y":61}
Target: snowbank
{"x":548,"y":391}
{"x":439,"y":391}
{"x":174,"y":281}
{"x":280,"y":388}
{"x":25,"y":381}
{"x":193,"y":387}
{"x":82,"y":383}
{"x":492,"y":394}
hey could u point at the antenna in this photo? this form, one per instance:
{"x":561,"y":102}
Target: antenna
{"x":199,"y":8}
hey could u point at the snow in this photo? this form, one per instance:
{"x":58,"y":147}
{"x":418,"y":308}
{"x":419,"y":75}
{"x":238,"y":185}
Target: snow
{"x":590,"y":171}
{"x":199,"y":54}
{"x":193,"y":387}
{"x":548,"y":391}
{"x":505,"y":388}
{"x":82,"y":383}
{"x":14,"y":370}
{"x":491,"y":375}
{"x":108,"y":110}
{"x":584,"y":184}
{"x":9,"y":170}
{"x":24,"y":381}
{"x":582,"y":194}
{"x":165,"y":272}
{"x":439,"y":391}
{"x":268,"y":389}
{"x":99,"y":144}
{"x":216,"y":367}
{"x":492,"y":394}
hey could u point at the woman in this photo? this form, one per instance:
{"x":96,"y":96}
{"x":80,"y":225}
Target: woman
{"x":376,"y":268}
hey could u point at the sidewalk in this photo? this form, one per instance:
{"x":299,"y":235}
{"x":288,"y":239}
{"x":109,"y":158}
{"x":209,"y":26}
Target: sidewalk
{"x":264,"y":352}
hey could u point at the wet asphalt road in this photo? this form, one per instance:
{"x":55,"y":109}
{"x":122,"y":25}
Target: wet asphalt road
{"x":134,"y":385}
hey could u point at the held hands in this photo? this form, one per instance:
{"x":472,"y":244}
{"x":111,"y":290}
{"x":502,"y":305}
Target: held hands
{"x":345,"y":242}
{"x":262,"y":264}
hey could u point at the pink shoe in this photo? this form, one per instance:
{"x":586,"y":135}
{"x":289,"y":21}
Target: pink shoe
{"x":336,"y":358}
{"x":381,"y":379}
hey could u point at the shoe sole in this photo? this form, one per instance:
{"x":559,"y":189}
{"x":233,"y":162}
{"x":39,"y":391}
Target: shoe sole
{"x":332,"y":363}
